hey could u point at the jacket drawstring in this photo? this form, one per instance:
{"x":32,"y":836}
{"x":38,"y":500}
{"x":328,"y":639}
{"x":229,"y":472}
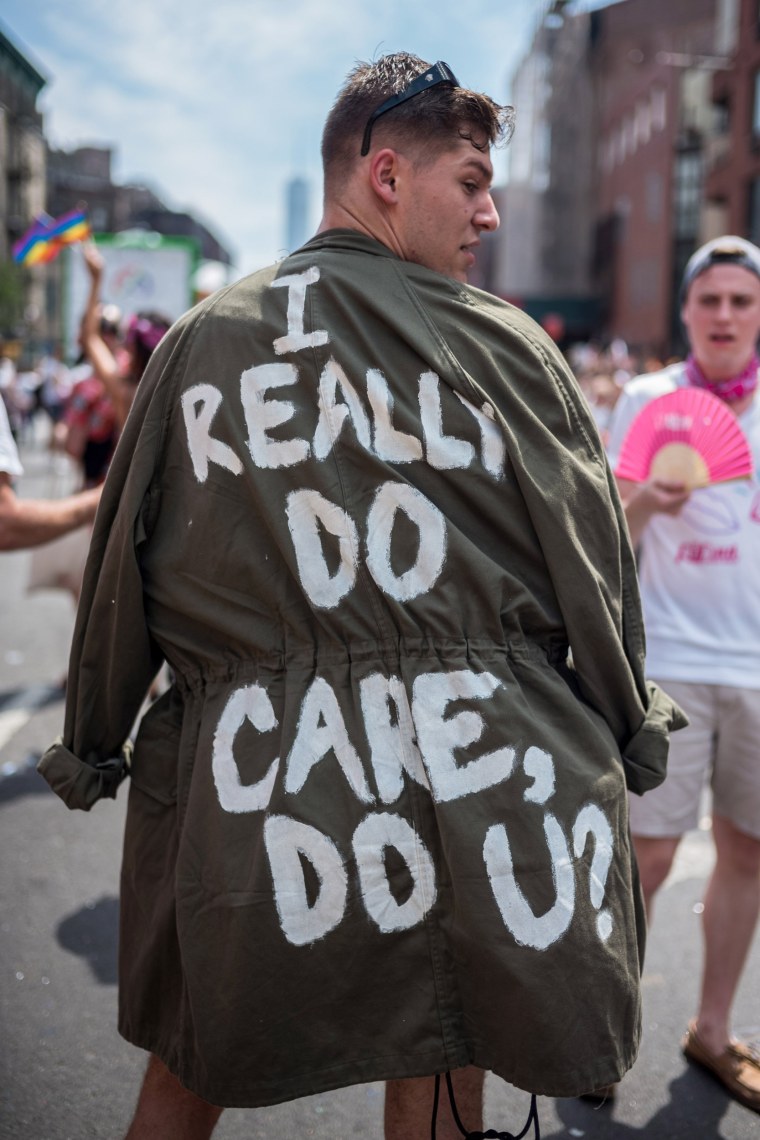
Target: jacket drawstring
{"x":491,"y":1134}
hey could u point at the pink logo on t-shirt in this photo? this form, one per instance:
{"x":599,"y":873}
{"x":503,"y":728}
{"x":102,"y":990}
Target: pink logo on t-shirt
{"x":754,"y":512}
{"x":705,"y":553}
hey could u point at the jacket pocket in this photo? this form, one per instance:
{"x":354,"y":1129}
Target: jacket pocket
{"x":154,"y":767}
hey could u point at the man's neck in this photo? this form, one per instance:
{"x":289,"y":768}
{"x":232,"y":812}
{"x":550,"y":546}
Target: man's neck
{"x":352,"y":216}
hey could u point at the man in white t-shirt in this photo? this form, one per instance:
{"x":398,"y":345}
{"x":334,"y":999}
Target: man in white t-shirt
{"x":699,"y":564}
{"x":30,"y":522}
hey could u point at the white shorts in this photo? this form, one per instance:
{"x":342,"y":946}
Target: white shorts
{"x":720,"y":748}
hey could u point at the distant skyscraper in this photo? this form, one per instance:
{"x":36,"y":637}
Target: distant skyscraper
{"x":297,"y":229}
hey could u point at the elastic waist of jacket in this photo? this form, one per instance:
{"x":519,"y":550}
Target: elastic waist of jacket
{"x":388,"y":657}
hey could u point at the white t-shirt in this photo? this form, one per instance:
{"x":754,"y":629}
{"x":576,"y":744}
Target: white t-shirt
{"x":700,"y":571}
{"x":9,"y":458}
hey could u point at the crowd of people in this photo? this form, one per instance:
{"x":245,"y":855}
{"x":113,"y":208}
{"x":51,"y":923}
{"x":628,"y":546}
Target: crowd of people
{"x":86,"y":405}
{"x":368,"y":516}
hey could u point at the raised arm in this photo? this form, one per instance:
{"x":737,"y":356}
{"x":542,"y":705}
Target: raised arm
{"x":98,"y":353}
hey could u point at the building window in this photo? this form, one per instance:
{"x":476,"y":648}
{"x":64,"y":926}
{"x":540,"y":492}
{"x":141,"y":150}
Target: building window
{"x":687,"y":195}
{"x":756,"y":105}
{"x":629,"y":134}
{"x":687,"y":207}
{"x":753,"y":222}
{"x":642,"y":123}
{"x":620,"y":144}
{"x":658,"y":104}
{"x":653,"y":196}
{"x":722,"y":121}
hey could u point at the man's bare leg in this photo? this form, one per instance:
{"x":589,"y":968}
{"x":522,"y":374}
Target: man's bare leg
{"x":732,"y":904}
{"x":168,"y":1111}
{"x":409,"y":1106}
{"x":655,"y":858}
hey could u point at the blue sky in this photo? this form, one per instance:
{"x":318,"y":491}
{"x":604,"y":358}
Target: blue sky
{"x":216,"y":105}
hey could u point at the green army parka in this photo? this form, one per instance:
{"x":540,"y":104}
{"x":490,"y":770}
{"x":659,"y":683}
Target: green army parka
{"x":377,"y":827}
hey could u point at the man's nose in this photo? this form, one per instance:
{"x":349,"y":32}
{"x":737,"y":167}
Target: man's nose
{"x":487,"y":216}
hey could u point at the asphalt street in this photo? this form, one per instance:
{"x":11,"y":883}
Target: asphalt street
{"x":64,"y":1072}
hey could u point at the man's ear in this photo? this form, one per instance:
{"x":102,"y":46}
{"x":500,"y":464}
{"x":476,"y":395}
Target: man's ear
{"x":383,"y":172}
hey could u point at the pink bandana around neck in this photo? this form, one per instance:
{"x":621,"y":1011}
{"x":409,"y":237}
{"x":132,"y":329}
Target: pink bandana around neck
{"x":729,"y":390}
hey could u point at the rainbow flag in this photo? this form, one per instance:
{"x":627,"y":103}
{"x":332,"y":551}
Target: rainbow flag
{"x":45,"y":239}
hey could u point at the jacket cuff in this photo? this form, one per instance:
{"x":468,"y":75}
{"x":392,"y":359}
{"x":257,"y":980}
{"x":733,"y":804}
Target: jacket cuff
{"x":645,"y":757}
{"x":80,"y":783}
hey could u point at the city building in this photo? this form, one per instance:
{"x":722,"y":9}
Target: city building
{"x":22,"y":188}
{"x":83,"y":177}
{"x":297,"y":207}
{"x":733,"y":161}
{"x":606,"y":193}
{"x":652,"y":67}
{"x":544,"y":262}
{"x":36,"y":179}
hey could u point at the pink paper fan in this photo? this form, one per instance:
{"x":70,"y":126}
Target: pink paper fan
{"x":688,"y":436}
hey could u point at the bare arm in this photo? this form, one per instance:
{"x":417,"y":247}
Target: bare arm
{"x":643,"y":500}
{"x":98,"y":353}
{"x":30,"y":522}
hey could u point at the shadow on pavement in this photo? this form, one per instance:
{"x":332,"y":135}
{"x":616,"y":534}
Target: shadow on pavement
{"x":93,"y":933}
{"x":696,"y":1107}
{"x":32,"y":696}
{"x":24,"y":780}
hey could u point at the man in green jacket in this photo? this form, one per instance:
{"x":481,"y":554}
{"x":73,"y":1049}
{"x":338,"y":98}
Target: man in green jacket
{"x":377,"y":827}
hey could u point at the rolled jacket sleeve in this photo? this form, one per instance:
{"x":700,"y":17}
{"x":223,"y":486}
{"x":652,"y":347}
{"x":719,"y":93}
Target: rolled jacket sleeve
{"x":113,"y":656}
{"x":81,"y":783}
{"x":645,"y":756}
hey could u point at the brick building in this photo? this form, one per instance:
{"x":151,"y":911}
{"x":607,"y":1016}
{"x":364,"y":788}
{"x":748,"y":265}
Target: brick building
{"x":733,"y":162}
{"x":606,"y":196}
{"x":654,"y":117}
{"x":22,"y":186}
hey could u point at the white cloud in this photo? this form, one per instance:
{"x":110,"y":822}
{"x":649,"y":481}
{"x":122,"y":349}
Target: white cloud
{"x":217,"y":105}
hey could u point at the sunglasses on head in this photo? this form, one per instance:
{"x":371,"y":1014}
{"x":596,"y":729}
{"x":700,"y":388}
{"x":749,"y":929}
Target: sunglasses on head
{"x":439,"y":73}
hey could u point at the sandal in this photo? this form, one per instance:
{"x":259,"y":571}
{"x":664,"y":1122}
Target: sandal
{"x":737,"y":1067}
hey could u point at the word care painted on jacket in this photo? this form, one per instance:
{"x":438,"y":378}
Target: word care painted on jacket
{"x":308,"y":512}
{"x":425,"y":741}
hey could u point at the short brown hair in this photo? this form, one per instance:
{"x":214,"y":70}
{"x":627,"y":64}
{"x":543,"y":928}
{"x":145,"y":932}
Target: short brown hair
{"x":430,"y":121}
